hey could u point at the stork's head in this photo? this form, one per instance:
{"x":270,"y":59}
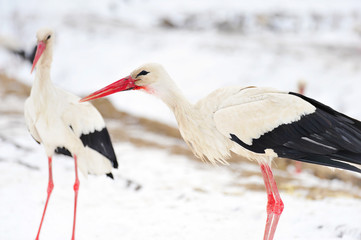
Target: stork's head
{"x":151,"y":78}
{"x":45,"y":38}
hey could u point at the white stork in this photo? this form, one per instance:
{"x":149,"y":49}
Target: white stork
{"x":257,"y":123}
{"x":57,"y":120}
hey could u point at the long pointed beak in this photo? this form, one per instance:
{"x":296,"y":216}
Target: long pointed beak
{"x":123,"y":84}
{"x":39,"y":51}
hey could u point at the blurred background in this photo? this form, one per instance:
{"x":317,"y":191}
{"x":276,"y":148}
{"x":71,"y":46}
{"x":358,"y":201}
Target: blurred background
{"x":160,"y":190}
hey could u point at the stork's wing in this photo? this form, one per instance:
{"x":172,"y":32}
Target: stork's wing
{"x":87,"y":123}
{"x":293,"y":126}
{"x":29,"y":120}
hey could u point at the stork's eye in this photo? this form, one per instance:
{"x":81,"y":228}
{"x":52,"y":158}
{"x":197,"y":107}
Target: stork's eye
{"x":143,"y":72}
{"x":48,"y":37}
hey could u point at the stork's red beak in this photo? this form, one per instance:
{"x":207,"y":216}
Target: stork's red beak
{"x":123,"y":84}
{"x":39,"y":51}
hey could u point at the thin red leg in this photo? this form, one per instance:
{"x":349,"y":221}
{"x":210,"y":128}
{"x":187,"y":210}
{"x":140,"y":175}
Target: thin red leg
{"x":50,"y":189}
{"x":274,"y":205}
{"x":76,"y":189}
{"x":270,"y":202}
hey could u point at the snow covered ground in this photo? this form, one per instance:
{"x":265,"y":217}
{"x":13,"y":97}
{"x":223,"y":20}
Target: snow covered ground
{"x":204,"y":45}
{"x":156,"y":195}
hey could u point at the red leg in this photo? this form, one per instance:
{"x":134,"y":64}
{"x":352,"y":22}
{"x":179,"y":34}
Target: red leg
{"x":274,"y":205}
{"x":76,"y":189}
{"x":50,"y":189}
{"x":278,"y":206}
{"x":270,"y":202}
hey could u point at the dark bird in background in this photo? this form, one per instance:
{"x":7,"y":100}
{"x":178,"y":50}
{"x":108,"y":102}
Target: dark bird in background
{"x":14,"y":47}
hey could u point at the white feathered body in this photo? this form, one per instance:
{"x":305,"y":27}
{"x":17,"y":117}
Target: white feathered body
{"x":246,"y":112}
{"x":55,"y":118}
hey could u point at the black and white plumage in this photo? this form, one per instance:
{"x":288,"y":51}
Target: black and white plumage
{"x":99,"y":141}
{"x":257,"y":123}
{"x":57,"y":120}
{"x":324,"y":137}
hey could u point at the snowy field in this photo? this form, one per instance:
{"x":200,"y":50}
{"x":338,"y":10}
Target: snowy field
{"x":203,"y":45}
{"x":156,"y":195}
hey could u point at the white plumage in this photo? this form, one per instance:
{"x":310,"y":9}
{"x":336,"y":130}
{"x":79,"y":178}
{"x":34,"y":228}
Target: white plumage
{"x":50,"y":123}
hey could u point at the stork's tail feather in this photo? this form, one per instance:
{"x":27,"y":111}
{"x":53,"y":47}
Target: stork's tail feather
{"x":110,"y":175}
{"x":90,"y":161}
{"x":329,"y":162}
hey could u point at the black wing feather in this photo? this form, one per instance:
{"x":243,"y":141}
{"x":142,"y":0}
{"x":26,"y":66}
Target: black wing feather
{"x":26,"y":56}
{"x":325,"y":137}
{"x":64,"y":151}
{"x":100,"y":142}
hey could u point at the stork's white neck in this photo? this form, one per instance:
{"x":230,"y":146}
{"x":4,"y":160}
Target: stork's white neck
{"x":195,"y":126}
{"x":42,"y":86}
{"x":42,"y":81}
{"x":176,"y":101}
{"x":46,"y":59}
{"x":183,"y":110}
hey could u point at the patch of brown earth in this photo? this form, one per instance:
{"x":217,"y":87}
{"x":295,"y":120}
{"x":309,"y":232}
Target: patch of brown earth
{"x":10,"y":86}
